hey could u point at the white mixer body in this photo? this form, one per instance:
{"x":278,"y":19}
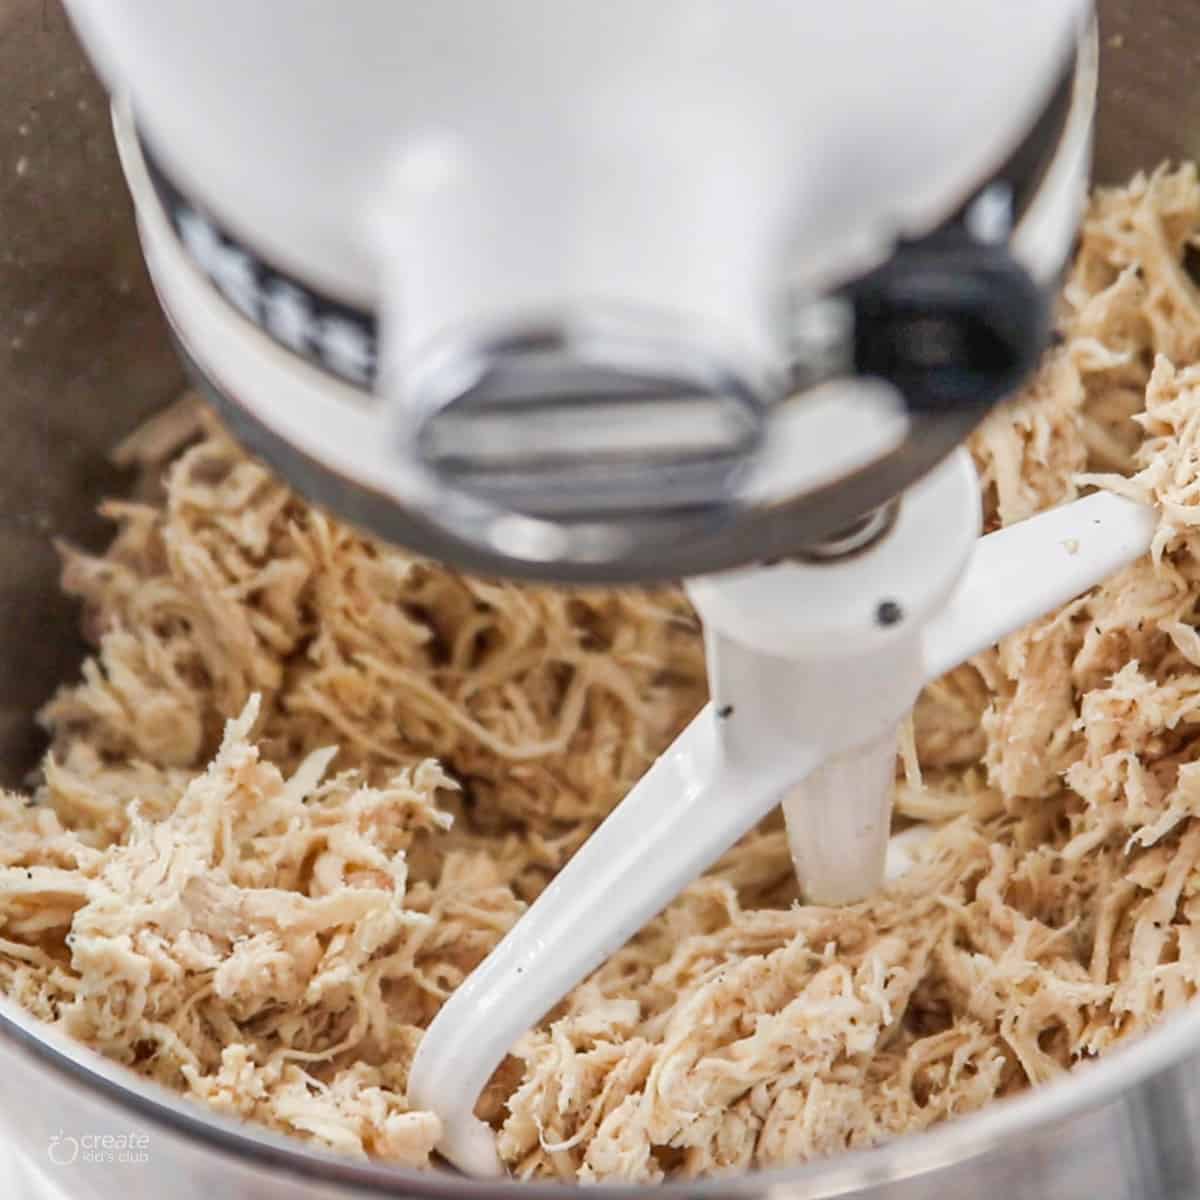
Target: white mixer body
{"x":363,"y":196}
{"x":681,"y":154}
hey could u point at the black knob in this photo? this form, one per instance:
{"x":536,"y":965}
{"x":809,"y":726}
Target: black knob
{"x":950,"y":322}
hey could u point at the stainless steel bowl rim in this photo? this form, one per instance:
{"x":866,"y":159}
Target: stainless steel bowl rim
{"x":969,"y":1137}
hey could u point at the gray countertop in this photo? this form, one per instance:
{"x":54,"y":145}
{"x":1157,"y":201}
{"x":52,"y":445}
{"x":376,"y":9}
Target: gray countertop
{"x":83,"y":348}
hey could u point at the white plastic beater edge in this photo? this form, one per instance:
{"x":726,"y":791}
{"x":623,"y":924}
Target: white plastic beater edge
{"x":684,"y":813}
{"x":1029,"y":569}
{"x":679,"y":819}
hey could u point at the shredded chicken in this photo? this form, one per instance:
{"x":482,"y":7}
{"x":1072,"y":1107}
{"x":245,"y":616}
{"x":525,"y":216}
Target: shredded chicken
{"x":307,"y":781}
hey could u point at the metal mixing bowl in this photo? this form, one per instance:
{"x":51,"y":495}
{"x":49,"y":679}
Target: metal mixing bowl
{"x":84,"y":356}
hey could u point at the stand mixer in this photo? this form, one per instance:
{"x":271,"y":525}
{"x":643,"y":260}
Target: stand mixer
{"x":632,"y":293}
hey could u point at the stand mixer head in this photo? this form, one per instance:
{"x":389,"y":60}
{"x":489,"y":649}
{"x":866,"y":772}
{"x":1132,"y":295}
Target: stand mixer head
{"x":624,"y":311}
{"x":602,"y":293}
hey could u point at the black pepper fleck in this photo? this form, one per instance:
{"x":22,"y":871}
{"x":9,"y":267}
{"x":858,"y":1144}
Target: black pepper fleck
{"x":725,"y":712}
{"x":889,"y":613}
